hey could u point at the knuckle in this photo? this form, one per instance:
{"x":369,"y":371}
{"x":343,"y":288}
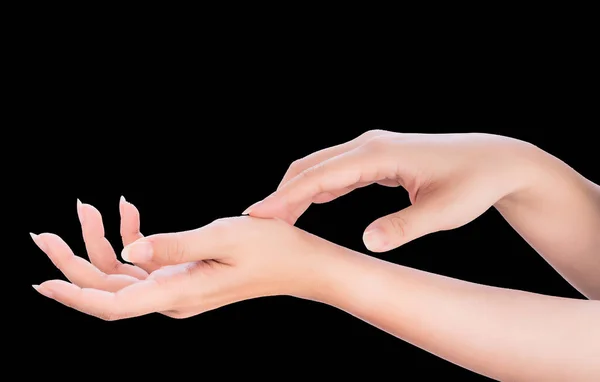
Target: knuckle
{"x":227,"y":230}
{"x":108,"y":315}
{"x":372,"y":133}
{"x":296,"y":167}
{"x":376,"y":145}
{"x":399,"y":225}
{"x":176,"y":314}
{"x":177,"y":250}
{"x":219,"y":227}
{"x":222,"y":222}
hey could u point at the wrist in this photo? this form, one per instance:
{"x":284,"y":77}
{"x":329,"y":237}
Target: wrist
{"x":541,"y":179}
{"x":341,"y":278}
{"x":529,"y":167}
{"x":324,"y":272}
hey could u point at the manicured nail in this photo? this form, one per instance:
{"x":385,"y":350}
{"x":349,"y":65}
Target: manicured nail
{"x":43,"y":291}
{"x":248,"y":210}
{"x":375,"y":239}
{"x":38,"y":241}
{"x":138,"y":252}
{"x":122,"y":202}
{"x":80,"y":211}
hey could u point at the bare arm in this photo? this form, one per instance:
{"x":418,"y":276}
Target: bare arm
{"x":559,"y":216}
{"x":451,"y":180}
{"x":505,"y":334}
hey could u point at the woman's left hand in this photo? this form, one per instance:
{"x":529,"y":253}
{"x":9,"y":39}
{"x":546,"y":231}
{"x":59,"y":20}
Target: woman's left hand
{"x":191,"y":272}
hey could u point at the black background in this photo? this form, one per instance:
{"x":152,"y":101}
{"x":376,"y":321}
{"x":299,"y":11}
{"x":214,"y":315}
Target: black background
{"x":194,"y":141}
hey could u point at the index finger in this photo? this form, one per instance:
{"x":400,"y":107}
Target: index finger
{"x":330,"y":152}
{"x":366,"y":163}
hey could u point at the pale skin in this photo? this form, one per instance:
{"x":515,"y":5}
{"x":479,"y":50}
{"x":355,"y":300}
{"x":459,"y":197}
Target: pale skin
{"x":451,"y":179}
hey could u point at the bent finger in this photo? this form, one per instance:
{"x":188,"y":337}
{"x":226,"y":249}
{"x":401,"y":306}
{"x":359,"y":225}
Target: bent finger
{"x":360,"y":165}
{"x":329,"y":196}
{"x":130,"y":229}
{"x":100,"y":251}
{"x":130,"y":222}
{"x":322,"y":155}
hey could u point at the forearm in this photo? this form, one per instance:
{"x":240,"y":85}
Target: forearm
{"x":558,"y":214}
{"x":504,"y":334}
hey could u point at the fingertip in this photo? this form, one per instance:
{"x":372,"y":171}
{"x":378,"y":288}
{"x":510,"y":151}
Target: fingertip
{"x":138,"y":252}
{"x":88,"y":207}
{"x":125,"y":254}
{"x":55,"y":286}
{"x":271,"y":213}
{"x":39,"y":241}
{"x":253,"y":207}
{"x":92,"y":218}
{"x":122,"y":204}
{"x":376,"y":240}
{"x":45,"y":289}
{"x":80,"y":211}
{"x":128,"y":206}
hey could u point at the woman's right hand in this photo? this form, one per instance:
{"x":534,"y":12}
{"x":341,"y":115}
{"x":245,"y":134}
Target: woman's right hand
{"x":451,"y":180}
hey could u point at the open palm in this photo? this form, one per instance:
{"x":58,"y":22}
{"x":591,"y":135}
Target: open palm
{"x":104,"y":271}
{"x":229,"y":260}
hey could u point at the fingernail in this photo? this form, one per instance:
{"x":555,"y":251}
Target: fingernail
{"x":122,"y":202}
{"x":80,"y":211}
{"x":38,"y":241}
{"x":248,"y":210}
{"x":375,"y":239}
{"x":138,"y":252}
{"x":43,"y":291}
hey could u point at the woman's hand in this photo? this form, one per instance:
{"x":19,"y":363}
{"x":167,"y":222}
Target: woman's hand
{"x":192,"y":272}
{"x":451,"y":179}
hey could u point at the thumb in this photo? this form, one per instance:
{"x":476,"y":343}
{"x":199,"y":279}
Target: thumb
{"x":399,"y":228}
{"x":176,"y":248}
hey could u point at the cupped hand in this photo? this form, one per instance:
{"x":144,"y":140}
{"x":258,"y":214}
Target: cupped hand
{"x":195,"y":271}
{"x":451,"y":179}
{"x":104,"y":268}
{"x":104,"y":271}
